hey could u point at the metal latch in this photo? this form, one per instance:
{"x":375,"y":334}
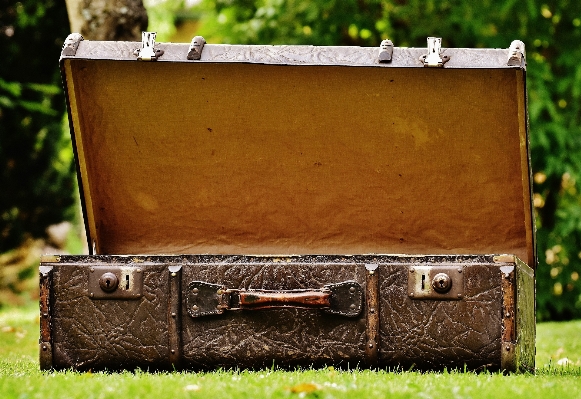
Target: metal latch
{"x":204,"y":299}
{"x":147,"y":52}
{"x":385,"y":51}
{"x":434,"y":59}
{"x":444,"y":282}
{"x":115,"y":282}
{"x":196,"y":47}
{"x":516,"y":54}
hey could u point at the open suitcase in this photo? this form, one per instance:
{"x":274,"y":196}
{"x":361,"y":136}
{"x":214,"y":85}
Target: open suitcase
{"x":243,"y":206}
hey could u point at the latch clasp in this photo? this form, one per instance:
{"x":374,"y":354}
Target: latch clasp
{"x":147,"y":52}
{"x":385,"y":51}
{"x":516,"y":54}
{"x":440,"y":282}
{"x":433,"y":59}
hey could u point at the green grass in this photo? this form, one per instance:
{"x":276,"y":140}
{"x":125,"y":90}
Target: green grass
{"x":21,"y":378}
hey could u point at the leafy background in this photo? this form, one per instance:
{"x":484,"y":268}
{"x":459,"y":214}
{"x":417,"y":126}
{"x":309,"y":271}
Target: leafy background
{"x":37,"y":182}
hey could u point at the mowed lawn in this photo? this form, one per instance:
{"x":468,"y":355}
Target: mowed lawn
{"x":558,"y":375}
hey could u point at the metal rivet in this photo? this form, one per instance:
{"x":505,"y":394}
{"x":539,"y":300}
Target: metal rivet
{"x":371,"y":346}
{"x":195,"y":291}
{"x":412,"y":270}
{"x":173,"y":274}
{"x":92,"y":269}
{"x":195,"y":308}
{"x":507,"y":347}
{"x":173,"y":351}
{"x":352,"y":290}
{"x":352,"y":306}
{"x":459,"y":295}
{"x":507,"y":314}
{"x":91,"y":294}
{"x":44,"y":347}
{"x":138,"y":295}
{"x":411,"y":294}
{"x":173,"y":314}
{"x":45,"y":314}
{"x":219,"y":292}
{"x":138,"y":270}
{"x":371,"y":272}
{"x":459,"y":270}
{"x":372,"y":310}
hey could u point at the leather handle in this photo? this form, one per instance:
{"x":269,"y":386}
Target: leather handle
{"x":263,"y":300}
{"x":204,"y":299}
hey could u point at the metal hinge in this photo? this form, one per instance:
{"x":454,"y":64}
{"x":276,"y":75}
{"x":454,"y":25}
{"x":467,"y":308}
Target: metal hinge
{"x":147,"y":52}
{"x":434,"y":59}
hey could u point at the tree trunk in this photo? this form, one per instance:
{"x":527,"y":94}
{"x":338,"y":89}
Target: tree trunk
{"x":108,"y":19}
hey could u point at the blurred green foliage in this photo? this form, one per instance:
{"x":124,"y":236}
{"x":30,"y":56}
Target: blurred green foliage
{"x":37,"y":186}
{"x":551,"y":31}
{"x":37,"y":181}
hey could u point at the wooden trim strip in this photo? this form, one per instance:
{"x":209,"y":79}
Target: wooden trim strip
{"x":372,"y":316}
{"x":174,"y":315}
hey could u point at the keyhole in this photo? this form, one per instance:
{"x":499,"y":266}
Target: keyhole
{"x":423,"y":282}
{"x":441,"y":283}
{"x":126,"y":281}
{"x":108,"y":282}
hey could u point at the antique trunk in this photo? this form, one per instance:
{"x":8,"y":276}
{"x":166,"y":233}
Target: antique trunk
{"x":244,"y":205}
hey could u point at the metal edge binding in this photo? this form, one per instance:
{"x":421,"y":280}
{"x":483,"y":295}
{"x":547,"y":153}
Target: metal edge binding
{"x":196,"y":47}
{"x":516,"y":54}
{"x":434,"y":59}
{"x":45,"y":341}
{"x":525,"y":317}
{"x":49,"y":259}
{"x":385,"y":51}
{"x":147,"y":52}
{"x":71,"y":45}
{"x":504,"y":258}
{"x":508,"y":323}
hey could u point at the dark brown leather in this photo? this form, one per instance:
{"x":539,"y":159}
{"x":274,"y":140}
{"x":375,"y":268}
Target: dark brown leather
{"x":90,"y":333}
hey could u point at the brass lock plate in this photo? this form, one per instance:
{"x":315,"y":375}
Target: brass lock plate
{"x":444,"y":282}
{"x":115,"y":282}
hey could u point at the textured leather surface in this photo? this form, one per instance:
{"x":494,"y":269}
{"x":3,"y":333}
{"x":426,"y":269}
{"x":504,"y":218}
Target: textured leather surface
{"x":430,"y":334}
{"x":109,"y":334}
{"x":283,"y":337}
{"x":425,"y":334}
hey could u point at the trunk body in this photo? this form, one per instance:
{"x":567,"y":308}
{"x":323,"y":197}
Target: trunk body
{"x":294,"y":170}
